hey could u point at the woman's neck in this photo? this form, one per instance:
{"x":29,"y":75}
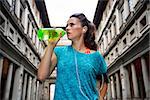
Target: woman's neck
{"x":79,"y":45}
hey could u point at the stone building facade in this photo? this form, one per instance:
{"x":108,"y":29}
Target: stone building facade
{"x":20,"y":49}
{"x":123,"y":33}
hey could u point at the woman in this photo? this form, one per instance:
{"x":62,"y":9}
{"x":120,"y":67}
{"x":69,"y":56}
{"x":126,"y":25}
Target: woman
{"x":78,"y":65}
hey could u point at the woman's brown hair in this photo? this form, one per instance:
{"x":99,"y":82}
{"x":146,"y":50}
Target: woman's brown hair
{"x":89,"y":37}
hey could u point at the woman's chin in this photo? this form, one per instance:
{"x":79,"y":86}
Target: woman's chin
{"x":69,"y":37}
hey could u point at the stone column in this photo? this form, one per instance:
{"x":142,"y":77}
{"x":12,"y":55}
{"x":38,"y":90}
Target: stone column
{"x":131,"y":5}
{"x":134,"y":3}
{"x":127,"y":83}
{"x":109,"y":35}
{"x":113,"y":30}
{"x":33,"y":91}
{"x":124,"y":83}
{"x":26,"y":20}
{"x":17,"y":88}
{"x":29,"y":88}
{"x":117,"y":86}
{"x":105,"y":41}
{"x":41,"y":91}
{"x":8,"y":83}
{"x":126,"y":9}
{"x":24,"y":87}
{"x":17,"y":8}
{"x":109,"y":91}
{"x":135,"y":83}
{"x":1,"y":68}
{"x":117,"y":21}
{"x":37,"y":90}
{"x":148,"y":14}
{"x":112,"y":88}
{"x":145,"y":75}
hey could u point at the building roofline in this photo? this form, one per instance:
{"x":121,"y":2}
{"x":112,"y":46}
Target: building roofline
{"x":101,"y":5}
{"x":43,"y":12}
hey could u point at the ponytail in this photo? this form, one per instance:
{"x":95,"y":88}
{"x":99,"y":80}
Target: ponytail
{"x":89,"y":36}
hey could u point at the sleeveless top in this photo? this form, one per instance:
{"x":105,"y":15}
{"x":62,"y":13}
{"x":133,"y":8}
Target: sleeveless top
{"x":76,"y":74}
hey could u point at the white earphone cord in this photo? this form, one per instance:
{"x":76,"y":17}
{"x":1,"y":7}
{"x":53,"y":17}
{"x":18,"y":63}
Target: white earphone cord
{"x":78,"y":78}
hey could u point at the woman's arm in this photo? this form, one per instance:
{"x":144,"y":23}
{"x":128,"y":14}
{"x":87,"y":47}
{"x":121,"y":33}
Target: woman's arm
{"x":103,"y":91}
{"x":47,"y":63}
{"x":103,"y":85}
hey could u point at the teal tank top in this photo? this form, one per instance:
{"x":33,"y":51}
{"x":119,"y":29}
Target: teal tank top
{"x":76,"y":74}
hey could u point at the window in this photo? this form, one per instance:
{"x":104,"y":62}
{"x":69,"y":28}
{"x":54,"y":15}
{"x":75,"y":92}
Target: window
{"x":122,"y":16}
{"x":21,"y":13}
{"x":32,"y":33}
{"x":26,"y":51}
{"x":110,"y":32}
{"x":132,"y":35}
{"x":39,"y":48}
{"x":28,"y":26}
{"x":33,"y":60}
{"x":106,"y":39}
{"x":33,"y":3}
{"x":109,"y":36}
{"x":19,"y":42}
{"x":109,"y":4}
{"x":142,"y":22}
{"x":30,"y":56}
{"x":114,"y":27}
{"x":105,"y":14}
{"x":17,"y":8}
{"x":116,"y":52}
{"x":116,"y":49}
{"x":29,"y":29}
{"x":37,"y":42}
{"x":10,"y":2}
{"x":130,"y":4}
{"x":112,"y":56}
{"x":124,"y":43}
{"x":108,"y":60}
{"x":35,"y":38}
{"x":11,"y":34}
{"x":38,"y":62}
{"x":102,"y":45}
{"x":2,"y":22}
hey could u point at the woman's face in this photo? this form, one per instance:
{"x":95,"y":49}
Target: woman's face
{"x":74,"y":28}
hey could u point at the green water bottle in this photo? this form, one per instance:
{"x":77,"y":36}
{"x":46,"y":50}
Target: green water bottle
{"x":50,"y":33}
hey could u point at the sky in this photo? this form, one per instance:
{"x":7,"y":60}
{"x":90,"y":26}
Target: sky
{"x":60,"y":10}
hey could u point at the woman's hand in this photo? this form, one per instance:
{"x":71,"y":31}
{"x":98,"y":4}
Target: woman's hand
{"x":53,"y":42}
{"x":101,"y":98}
{"x":49,"y":60}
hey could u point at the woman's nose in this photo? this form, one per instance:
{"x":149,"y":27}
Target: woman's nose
{"x":67,"y":28}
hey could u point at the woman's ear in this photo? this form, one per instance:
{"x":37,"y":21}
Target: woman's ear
{"x":85,"y":28}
